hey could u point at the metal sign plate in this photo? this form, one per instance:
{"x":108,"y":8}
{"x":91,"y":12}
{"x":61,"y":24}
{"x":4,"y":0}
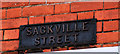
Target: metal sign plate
{"x":58,"y":34}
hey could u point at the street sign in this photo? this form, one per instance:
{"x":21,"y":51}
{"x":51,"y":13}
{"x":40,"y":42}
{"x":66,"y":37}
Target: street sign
{"x":58,"y":34}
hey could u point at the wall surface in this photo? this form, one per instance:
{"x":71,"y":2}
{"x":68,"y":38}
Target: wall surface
{"x":14,"y":14}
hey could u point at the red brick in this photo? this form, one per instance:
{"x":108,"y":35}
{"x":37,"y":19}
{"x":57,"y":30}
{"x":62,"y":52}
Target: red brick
{"x":3,"y":11}
{"x":36,"y":3}
{"x":85,"y":6}
{"x":108,"y":5}
{"x":62,"y":8}
{"x":11,"y":52}
{"x":13,"y":23}
{"x":9,"y":45}
{"x":107,"y":14}
{"x":38,"y":10}
{"x":63,"y":17}
{"x":15,"y":12}
{"x":70,"y":48}
{"x":47,"y":50}
{"x":36,"y":20}
{"x":95,"y":46}
{"x":95,"y":0}
{"x":61,"y":49}
{"x":56,"y":49}
{"x":11,"y":34}
{"x":111,"y":25}
{"x":110,"y":45}
{"x":14,"y":4}
{"x":99,"y":26}
{"x":53,"y":2}
{"x":107,"y":37}
{"x":111,"y":0}
{"x":85,"y":15}
{"x":1,"y":34}
{"x":61,"y":0}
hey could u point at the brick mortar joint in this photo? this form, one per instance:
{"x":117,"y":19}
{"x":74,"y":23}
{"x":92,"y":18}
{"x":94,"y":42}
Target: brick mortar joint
{"x":37,"y":5}
{"x":60,"y":13}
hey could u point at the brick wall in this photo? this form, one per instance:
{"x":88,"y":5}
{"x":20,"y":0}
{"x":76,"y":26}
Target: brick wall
{"x":15,"y":14}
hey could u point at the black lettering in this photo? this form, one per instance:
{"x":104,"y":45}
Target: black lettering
{"x":84,"y":26}
{"x":68,"y":29}
{"x":35,"y":31}
{"x":58,"y":28}
{"x":75,"y":36}
{"x":50,"y":29}
{"x":51,"y":39}
{"x":44,"y":40}
{"x":76,"y":28}
{"x":42,"y":30}
{"x":37,"y":41}
{"x":63,"y":28}
{"x":29,"y":33}
{"x":59,"y":39}
{"x":67,"y":38}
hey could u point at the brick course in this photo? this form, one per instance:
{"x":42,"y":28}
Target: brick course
{"x":107,"y":37}
{"x":15,"y":14}
{"x":107,"y":14}
{"x":62,"y":8}
{"x":60,"y":18}
{"x":11,"y":34}
{"x":110,"y":25}
{"x":38,"y":10}
{"x":36,"y":20}
{"x":13,"y":23}
{"x":85,"y":6}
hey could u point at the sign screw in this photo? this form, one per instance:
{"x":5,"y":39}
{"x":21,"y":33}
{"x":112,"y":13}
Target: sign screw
{"x":22,"y":28}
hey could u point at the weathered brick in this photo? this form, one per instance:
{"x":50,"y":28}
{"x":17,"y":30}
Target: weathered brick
{"x":14,"y":4}
{"x":47,"y":50}
{"x":38,"y":10}
{"x":107,"y":14}
{"x":61,"y":0}
{"x":11,"y":34}
{"x":1,"y":34}
{"x":107,"y":37}
{"x":110,"y":25}
{"x":9,"y":45}
{"x":36,"y":3}
{"x":3,"y":12}
{"x":95,"y":0}
{"x":85,"y":15}
{"x":70,"y":48}
{"x":61,"y":49}
{"x":95,"y":46}
{"x":13,"y":23}
{"x":15,"y":12}
{"x":62,"y":8}
{"x":11,"y":52}
{"x":99,"y":26}
{"x":110,"y":45}
{"x":62,"y":17}
{"x":111,"y":0}
{"x":36,"y":20}
{"x":85,"y":6}
{"x":53,"y":2}
{"x":108,"y":5}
